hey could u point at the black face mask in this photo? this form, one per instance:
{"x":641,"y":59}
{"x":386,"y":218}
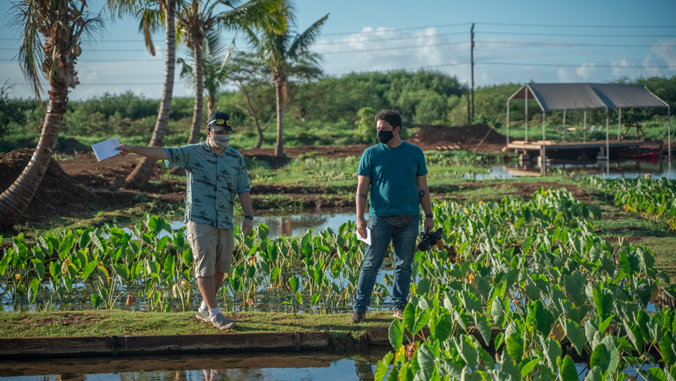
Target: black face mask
{"x":385,"y":136}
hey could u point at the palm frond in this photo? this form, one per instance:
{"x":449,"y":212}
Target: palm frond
{"x":150,"y":21}
{"x":26,"y":15}
{"x":303,"y":41}
{"x":187,"y":73}
{"x":272,"y":15}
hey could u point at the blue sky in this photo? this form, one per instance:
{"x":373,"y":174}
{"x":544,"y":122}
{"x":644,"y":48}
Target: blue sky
{"x":517,"y":41}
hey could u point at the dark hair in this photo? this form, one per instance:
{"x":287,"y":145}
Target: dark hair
{"x":390,"y":116}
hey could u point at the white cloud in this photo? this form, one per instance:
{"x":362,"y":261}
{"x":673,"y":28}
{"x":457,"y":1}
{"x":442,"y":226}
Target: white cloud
{"x":668,"y":53}
{"x":586,"y":70}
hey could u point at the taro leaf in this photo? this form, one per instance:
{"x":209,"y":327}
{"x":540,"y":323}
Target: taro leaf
{"x":423,"y":286}
{"x":471,"y":302}
{"x":541,"y":316}
{"x":595,"y":253}
{"x":383,"y":367}
{"x":293,"y":282}
{"x":409,"y":317}
{"x":595,"y":374}
{"x":4,"y":262}
{"x":532,"y":291}
{"x":299,"y":297}
{"x":66,"y":245}
{"x":484,"y":327}
{"x":187,"y":258}
{"x":275,"y":273}
{"x":601,"y":358}
{"x":89,"y":269}
{"x":603,"y":302}
{"x":263,"y":230}
{"x":528,"y":364}
{"x":574,"y":333}
{"x":498,"y":312}
{"x":644,"y":291}
{"x":667,"y":350}
{"x":567,"y":369}
{"x":315,"y":299}
{"x":543,"y":373}
{"x":441,"y":325}
{"x":426,"y":358}
{"x":573,"y":289}
{"x":122,"y":271}
{"x":596,"y":211}
{"x":40,"y":268}
{"x":634,"y":334}
{"x":467,"y":351}
{"x":396,"y":334}
{"x":67,"y":282}
{"x":654,"y":374}
{"x":515,"y":347}
{"x":508,"y":369}
{"x":96,"y":300}
{"x":487,"y":359}
{"x":483,"y":284}
{"x":526,"y":245}
{"x":54,"y":269}
{"x":33,"y":290}
{"x":422,"y":318}
{"x":235,"y":283}
{"x":552,"y":350}
{"x":448,"y":368}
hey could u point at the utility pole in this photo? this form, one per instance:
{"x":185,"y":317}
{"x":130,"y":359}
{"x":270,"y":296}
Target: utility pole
{"x":472,"y":61}
{"x":469,"y":108}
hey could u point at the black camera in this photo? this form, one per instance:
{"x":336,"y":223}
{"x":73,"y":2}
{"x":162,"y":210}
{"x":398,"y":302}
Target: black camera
{"x":429,"y":239}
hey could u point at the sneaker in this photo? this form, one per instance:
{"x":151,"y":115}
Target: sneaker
{"x":398,"y":313}
{"x":357,"y":317}
{"x":203,"y":315}
{"x":221,"y":322}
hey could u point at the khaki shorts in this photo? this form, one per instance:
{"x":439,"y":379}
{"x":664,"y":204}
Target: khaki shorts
{"x":211,"y":248}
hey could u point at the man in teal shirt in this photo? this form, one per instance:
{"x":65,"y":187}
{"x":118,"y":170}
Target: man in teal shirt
{"x":216,"y":174}
{"x":396,"y":173}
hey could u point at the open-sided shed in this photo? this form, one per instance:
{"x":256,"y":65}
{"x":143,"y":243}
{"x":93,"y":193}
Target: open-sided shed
{"x":583,"y":96}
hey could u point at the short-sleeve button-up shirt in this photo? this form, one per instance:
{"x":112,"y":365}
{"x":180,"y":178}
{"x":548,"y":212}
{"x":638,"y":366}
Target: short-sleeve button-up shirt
{"x":213,"y":182}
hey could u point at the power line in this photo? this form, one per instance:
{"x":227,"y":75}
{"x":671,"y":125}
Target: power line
{"x":386,"y":30}
{"x":580,"y":35}
{"x":575,"y":44}
{"x":577,"y":26}
{"x":571,"y":65}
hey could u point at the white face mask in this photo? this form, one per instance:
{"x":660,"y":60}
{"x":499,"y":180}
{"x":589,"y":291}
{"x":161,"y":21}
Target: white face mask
{"x":220,"y":141}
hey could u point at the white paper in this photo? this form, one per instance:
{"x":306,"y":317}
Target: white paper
{"x":368,"y":237}
{"x":106,"y":149}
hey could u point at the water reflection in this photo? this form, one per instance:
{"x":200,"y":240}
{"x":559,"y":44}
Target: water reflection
{"x":615,"y":169}
{"x":232,"y":367}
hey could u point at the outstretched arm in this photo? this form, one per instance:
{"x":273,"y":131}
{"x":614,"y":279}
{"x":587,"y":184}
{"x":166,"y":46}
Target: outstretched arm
{"x":157,"y":153}
{"x":424,"y":195}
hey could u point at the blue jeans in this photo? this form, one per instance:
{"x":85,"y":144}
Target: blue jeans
{"x":403,"y":239}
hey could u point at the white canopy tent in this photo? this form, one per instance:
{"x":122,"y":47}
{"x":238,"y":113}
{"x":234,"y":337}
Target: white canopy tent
{"x":583,"y":96}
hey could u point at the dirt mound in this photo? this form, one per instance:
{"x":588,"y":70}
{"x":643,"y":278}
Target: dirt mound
{"x":477,"y":136}
{"x":57,"y":194}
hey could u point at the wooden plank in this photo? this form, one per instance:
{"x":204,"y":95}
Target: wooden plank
{"x":128,"y":345}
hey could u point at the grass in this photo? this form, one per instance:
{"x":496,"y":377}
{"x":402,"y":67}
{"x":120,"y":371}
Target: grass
{"x":121,"y":323}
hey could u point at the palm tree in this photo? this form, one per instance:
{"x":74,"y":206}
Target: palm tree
{"x":199,"y":17}
{"x":62,"y":24}
{"x":214,"y":69}
{"x":280,"y":52}
{"x":151,"y":15}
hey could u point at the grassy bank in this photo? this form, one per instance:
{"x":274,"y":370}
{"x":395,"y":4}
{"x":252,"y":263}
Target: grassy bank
{"x":121,"y":323}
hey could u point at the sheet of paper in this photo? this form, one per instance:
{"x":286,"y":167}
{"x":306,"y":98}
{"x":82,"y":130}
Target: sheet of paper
{"x":106,"y":149}
{"x":368,"y":237}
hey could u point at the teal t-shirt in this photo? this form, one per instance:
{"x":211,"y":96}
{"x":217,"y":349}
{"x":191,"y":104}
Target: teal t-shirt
{"x":394,"y":178}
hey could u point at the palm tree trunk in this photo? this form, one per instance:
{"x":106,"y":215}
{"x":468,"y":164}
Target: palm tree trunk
{"x":279,"y":147}
{"x":15,"y":199}
{"x":139,"y":177}
{"x":199,"y":90}
{"x":211,"y":103}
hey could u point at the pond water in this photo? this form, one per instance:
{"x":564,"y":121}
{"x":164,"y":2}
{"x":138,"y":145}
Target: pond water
{"x":271,"y":366}
{"x":616,"y":169}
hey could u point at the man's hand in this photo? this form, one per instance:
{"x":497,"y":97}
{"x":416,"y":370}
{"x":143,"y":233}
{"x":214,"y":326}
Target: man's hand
{"x":247,"y":225}
{"x":361,"y":226}
{"x":429,"y":224}
{"x":126,"y":149}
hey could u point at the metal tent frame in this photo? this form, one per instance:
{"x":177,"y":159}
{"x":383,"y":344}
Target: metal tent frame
{"x":596,"y":99}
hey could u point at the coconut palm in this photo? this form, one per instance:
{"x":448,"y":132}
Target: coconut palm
{"x":152,"y":14}
{"x":214,"y":69}
{"x":196,"y":18}
{"x":62,"y":24}
{"x":280,"y":52}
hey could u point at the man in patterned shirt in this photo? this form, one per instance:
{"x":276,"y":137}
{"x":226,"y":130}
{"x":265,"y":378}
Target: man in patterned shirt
{"x":216,"y":173}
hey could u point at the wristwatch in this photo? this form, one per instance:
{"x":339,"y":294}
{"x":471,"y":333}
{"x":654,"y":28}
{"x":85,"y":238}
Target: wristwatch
{"x":249,"y":217}
{"x":431,"y":215}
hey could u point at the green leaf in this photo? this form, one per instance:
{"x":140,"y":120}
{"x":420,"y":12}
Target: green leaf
{"x":315,"y":298}
{"x":409,"y":317}
{"x":595,"y":374}
{"x":467,"y":351}
{"x":426,"y":358}
{"x":567,"y":369}
{"x":527,"y":365}
{"x":507,"y":369}
{"x":574,"y":333}
{"x":122,"y":271}
{"x":515,"y":347}
{"x":603,"y":302}
{"x":423,"y":286}
{"x":66,"y":245}
{"x":471,"y":302}
{"x":422,"y":318}
{"x":654,"y":374}
{"x":383,"y":366}
{"x":600,"y":357}
{"x":299,"y":297}
{"x":4,"y":262}
{"x":96,"y":300}
{"x":33,"y":290}
{"x":275,"y":273}
{"x":293,"y":282}
{"x":169,"y":266}
{"x":40,"y":268}
{"x":634,"y":334}
{"x":89,"y":268}
{"x":484,"y":327}
{"x":552,"y":351}
{"x":396,"y":334}
{"x":498,"y":312}
{"x":54,"y":269}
